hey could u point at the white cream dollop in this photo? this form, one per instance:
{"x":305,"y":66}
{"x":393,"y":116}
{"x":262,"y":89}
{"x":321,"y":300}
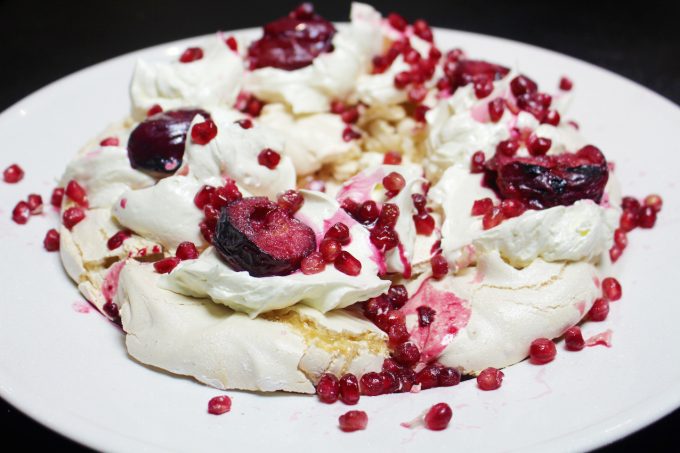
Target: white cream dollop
{"x":209,"y":276}
{"x":234,"y":153}
{"x":105,"y":173}
{"x":211,"y":81}
{"x":331,"y":75}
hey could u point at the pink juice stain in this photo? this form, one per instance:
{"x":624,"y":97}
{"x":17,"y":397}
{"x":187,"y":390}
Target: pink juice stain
{"x":480,"y":112}
{"x":602,"y":338}
{"x":581,"y":306}
{"x":359,"y":187}
{"x":81,"y":307}
{"x":110,"y":285}
{"x":452,"y":315}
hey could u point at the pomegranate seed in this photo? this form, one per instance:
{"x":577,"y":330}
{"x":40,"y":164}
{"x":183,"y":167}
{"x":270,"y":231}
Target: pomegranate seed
{"x":448,"y":377}
{"x":647,"y":217}
{"x":542,"y":351}
{"x":402,"y":79}
{"x":492,"y":218}
{"x":76,"y":193}
{"x":538,"y":146}
{"x":392,"y":158}
{"x":496,"y":109}
{"x":72,"y":216}
{"x":207,"y":232}
{"x":438,"y":417}
{"x":337,"y":107}
{"x":13,"y":174}
{"x":419,"y":113}
{"x":57,"y":197}
{"x":166,"y":265}
{"x":620,"y":238}
{"x":599,"y":310}
{"x":477,"y":162}
{"x":422,"y":30}
{"x":191,"y":54}
{"x":269,"y":158}
{"x":350,"y":116}
{"x":417,"y":93}
{"x":406,"y":354}
{"x":552,"y":117}
{"x":424,"y":224}
{"x":391,"y":318}
{"x":339,"y":232}
{"x":483,"y":87}
{"x":186,"y":251}
{"x":629,"y":221}
{"x":312,"y":264}
{"x":212,"y":215}
{"x":376,"y":306}
{"x":390,"y":365}
{"x":117,"y":239}
{"x":434,"y":54}
{"x":153,"y":110}
{"x":428,"y":377}
{"x":411,"y":56}
{"x":347,"y":264}
{"x":440,"y":267}
{"x":481,"y":207}
{"x":225,"y":195}
{"x":507,"y":147}
{"x":388,"y":215}
{"x":203,"y":133}
{"x":611,"y":288}
{"x":349,"y":389}
{"x":290,"y":200}
{"x":219,"y":405}
{"x":51,"y":241}
{"x":35,"y":204}
{"x":245,"y":123}
{"x":512,"y":208}
{"x":390,"y":382}
{"x":566,"y":84}
{"x":573,"y":339}
{"x":353,"y":421}
{"x":231,"y":43}
{"x":110,"y":141}
{"x":397,"y":295}
{"x":425,"y":315}
{"x":371,"y":384}
{"x":419,"y":202}
{"x":349,"y":134}
{"x":490,"y":379}
{"x":615,"y":253}
{"x":330,"y":249}
{"x":630,"y":204}
{"x":397,"y":334}
{"x":397,"y":22}
{"x":368,"y":212}
{"x":522,"y":85}
{"x":111,"y":310}
{"x":328,"y":388}
{"x":394,"y":182}
{"x":204,"y":196}
{"x":654,"y":201}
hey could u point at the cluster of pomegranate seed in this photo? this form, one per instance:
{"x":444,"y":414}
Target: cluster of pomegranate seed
{"x":348,"y":113}
{"x":331,"y":389}
{"x":13,"y":174}
{"x":380,"y":222}
{"x":611,"y":292}
{"x":635,"y":214}
{"x":211,"y":200}
{"x":349,"y":134}
{"x":219,"y":405}
{"x":331,"y":252}
{"x":353,"y":421}
{"x":490,"y":379}
{"x":269,"y":158}
{"x":185,"y":251}
{"x":191,"y":54}
{"x":494,"y":215}
{"x":529,"y":99}
{"x":423,"y":220}
{"x":459,"y":71}
{"x":248,"y":104}
{"x":51,"y":241}
{"x":24,"y":209}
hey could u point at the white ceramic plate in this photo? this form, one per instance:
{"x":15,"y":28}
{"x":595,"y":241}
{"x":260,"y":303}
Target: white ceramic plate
{"x":70,"y":371}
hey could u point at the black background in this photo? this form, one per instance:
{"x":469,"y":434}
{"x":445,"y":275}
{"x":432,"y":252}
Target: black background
{"x":43,"y":41}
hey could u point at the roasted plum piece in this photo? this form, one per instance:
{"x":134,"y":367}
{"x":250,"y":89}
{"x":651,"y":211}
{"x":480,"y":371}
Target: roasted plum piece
{"x":292,"y":42}
{"x":542,"y":182}
{"x":156,"y":145}
{"x":256,"y":235}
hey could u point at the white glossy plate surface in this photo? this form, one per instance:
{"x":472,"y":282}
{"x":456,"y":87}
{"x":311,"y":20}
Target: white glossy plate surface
{"x":70,"y":371}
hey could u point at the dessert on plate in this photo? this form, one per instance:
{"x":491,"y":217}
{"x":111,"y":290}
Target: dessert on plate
{"x":341,"y":208}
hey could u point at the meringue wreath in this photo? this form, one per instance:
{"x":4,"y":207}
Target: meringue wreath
{"x":350,"y":200}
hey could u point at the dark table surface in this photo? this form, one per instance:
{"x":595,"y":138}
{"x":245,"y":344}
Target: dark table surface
{"x":43,"y":41}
